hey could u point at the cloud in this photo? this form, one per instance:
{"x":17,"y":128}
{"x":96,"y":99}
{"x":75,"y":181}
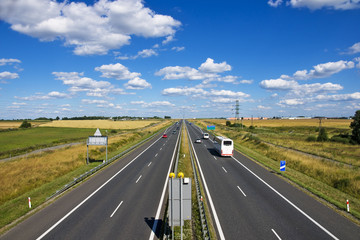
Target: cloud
{"x":177,"y":72}
{"x":91,"y":29}
{"x":153,"y":104}
{"x":292,"y":102}
{"x":319,"y":4}
{"x":207,"y":71}
{"x":218,"y":96}
{"x":137,"y":83}
{"x":101,"y":103}
{"x":50,"y":95}
{"x":178,"y":49}
{"x":324,"y":70}
{"x":275,"y":3}
{"x":94,"y":88}
{"x":353,"y":49}
{"x":184,"y":91}
{"x":211,"y":67}
{"x":297,"y":89}
{"x":117,"y":71}
{"x":340,"y":97}
{"x":8,"y":75}
{"x":278,"y":84}
{"x":261,"y":107}
{"x":5,"y":61}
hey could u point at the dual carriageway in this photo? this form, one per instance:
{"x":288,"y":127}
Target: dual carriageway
{"x":127,"y":199}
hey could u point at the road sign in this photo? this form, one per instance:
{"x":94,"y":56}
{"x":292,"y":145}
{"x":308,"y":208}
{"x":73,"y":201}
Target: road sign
{"x":282,"y":166}
{"x":211,"y":127}
{"x":180,"y":200}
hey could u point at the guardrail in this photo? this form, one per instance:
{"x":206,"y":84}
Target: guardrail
{"x":97,"y":168}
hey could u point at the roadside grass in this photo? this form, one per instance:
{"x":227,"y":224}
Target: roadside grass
{"x":39,"y":176}
{"x":102,"y":124}
{"x":331,"y":181}
{"x":25,"y":140}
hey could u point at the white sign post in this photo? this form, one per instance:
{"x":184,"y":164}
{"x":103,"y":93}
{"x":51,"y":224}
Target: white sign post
{"x":97,"y":140}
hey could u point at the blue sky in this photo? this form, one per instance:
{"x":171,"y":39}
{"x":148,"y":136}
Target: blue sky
{"x":179,"y":58}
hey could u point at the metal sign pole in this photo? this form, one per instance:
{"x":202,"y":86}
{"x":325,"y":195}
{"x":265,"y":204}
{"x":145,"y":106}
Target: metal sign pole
{"x":181,"y":176}
{"x":172,"y":210}
{"x":181,"y":209}
{"x":87,"y":154}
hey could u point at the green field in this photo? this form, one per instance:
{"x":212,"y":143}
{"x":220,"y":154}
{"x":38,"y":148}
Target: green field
{"x":25,"y":140}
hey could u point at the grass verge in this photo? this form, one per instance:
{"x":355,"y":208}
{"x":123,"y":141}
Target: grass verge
{"x":39,"y":176}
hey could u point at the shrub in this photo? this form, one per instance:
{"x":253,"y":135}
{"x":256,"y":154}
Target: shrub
{"x":322,"y":137}
{"x":340,"y":139}
{"x":311,"y":138}
{"x":113,"y":131}
{"x":25,"y":124}
{"x":251,"y":127}
{"x":355,"y":126}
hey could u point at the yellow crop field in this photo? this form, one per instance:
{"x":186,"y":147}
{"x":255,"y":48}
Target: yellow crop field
{"x":102,"y":124}
{"x":332,"y":123}
{"x":9,"y":124}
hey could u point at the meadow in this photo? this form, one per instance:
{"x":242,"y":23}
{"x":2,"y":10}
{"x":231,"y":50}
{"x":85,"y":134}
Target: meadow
{"x":40,"y":175}
{"x":20,"y":141}
{"x":330,"y":170}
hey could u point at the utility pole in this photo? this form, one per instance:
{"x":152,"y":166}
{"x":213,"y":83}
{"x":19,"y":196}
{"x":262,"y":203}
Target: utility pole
{"x":237,"y":108}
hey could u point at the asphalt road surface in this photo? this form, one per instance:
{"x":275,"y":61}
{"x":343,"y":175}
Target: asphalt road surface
{"x":124,"y":201}
{"x":251,"y":202}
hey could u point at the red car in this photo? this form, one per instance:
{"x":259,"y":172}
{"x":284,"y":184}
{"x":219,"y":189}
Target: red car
{"x":164,"y":136}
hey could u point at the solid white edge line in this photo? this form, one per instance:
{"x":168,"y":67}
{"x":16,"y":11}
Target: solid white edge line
{"x":288,"y":201}
{"x":92,"y":194}
{"x":224,"y":169}
{"x":138,"y":179}
{"x":116,"y":209}
{"x":152,"y":235}
{"x":276,"y":234}
{"x":216,"y":218}
{"x":241,"y":191}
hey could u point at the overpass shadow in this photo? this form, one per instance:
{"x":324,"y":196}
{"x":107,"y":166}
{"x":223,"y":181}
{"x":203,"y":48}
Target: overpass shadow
{"x":151,"y":221}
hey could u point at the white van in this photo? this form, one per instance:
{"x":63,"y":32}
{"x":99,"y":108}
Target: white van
{"x":206,"y":136}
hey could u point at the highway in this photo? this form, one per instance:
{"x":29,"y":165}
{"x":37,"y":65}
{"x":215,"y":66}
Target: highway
{"x":248,"y":201}
{"x":123,"y":201}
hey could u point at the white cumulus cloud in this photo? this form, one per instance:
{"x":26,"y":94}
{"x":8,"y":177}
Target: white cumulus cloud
{"x":117,"y":71}
{"x":137,"y":83}
{"x":91,"y":29}
{"x":8,"y":75}
{"x":318,"y":4}
{"x":210,"y":66}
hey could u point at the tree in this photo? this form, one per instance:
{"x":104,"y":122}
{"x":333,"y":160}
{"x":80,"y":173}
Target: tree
{"x":25,"y":124}
{"x":322,"y":137}
{"x":355,"y":125}
{"x":57,"y":118}
{"x":228,"y":123}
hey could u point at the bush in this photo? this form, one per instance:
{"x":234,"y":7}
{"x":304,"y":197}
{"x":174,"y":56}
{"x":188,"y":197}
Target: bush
{"x":113,"y":131}
{"x":340,"y":139}
{"x":228,"y":123}
{"x":311,"y":139}
{"x":322,"y":137}
{"x":251,"y":127}
{"x":25,"y":124}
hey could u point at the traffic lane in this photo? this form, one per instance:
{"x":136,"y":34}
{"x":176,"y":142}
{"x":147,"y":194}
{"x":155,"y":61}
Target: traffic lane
{"x":268,"y":211}
{"x":317,"y":210}
{"x":326,"y":217}
{"x":46,"y":217}
{"x":35,"y":225}
{"x":125,"y":186}
{"x":227,"y":194}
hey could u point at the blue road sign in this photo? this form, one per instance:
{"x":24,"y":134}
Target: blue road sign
{"x":211,"y":127}
{"x":282,"y":166}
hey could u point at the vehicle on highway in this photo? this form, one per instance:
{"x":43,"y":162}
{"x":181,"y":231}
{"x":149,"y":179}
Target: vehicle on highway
{"x":173,"y":132}
{"x":205,"y":136}
{"x":198,"y":140}
{"x":164,"y":136}
{"x":224,"y":146}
